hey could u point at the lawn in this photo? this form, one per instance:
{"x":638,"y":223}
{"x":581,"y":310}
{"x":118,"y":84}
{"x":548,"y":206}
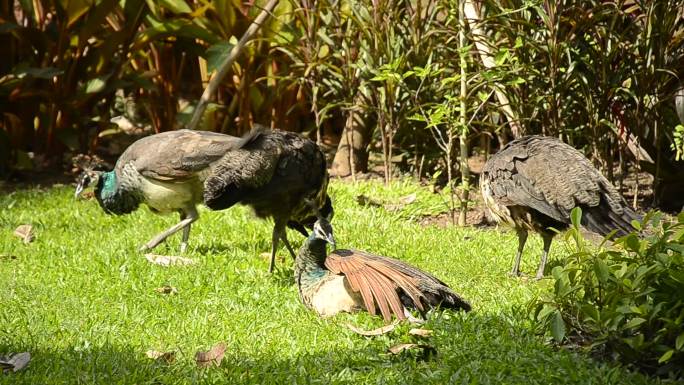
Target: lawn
{"x":81,"y":299}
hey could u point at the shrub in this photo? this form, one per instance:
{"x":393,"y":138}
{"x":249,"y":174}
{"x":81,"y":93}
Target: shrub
{"x":625,"y":302}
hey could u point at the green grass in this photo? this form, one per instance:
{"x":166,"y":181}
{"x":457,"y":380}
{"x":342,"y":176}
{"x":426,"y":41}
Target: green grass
{"x":81,"y":299}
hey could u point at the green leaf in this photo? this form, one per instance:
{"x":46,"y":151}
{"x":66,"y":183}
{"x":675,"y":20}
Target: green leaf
{"x":679,"y":343}
{"x":632,"y":243}
{"x":558,"y":326}
{"x":217,"y":54}
{"x":634,"y":322}
{"x":40,"y":73}
{"x":96,"y":85}
{"x":176,"y":6}
{"x":666,"y":357}
{"x":576,"y":216}
{"x":75,"y":9}
{"x":601,"y":269}
{"x":323,"y":51}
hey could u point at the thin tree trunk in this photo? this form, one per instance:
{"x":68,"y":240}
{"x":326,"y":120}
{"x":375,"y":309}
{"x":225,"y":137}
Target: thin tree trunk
{"x":224,"y":68}
{"x":480,"y":37}
{"x":352,"y":154}
{"x":463,"y":127}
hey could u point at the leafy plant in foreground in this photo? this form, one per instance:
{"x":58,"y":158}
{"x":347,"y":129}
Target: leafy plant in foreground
{"x":626,"y":301}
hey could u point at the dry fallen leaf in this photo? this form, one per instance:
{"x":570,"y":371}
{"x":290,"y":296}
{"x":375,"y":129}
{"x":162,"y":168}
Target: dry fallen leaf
{"x":212,"y":356}
{"x":25,"y":232}
{"x":421,"y":332}
{"x":14,"y":362}
{"x":165,"y":357}
{"x":397,"y":349}
{"x":407,"y":200}
{"x":374,"y":332}
{"x":166,"y":290}
{"x":168,"y":260}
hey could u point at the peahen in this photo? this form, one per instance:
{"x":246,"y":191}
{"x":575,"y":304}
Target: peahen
{"x":275,"y":173}
{"x":351,"y":280}
{"x":165,"y":171}
{"x":534,"y":182}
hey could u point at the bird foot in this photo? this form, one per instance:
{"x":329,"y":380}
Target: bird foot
{"x":411,"y":319}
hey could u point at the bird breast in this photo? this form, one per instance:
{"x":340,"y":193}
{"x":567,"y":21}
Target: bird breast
{"x":498,"y":212}
{"x":334,"y":296}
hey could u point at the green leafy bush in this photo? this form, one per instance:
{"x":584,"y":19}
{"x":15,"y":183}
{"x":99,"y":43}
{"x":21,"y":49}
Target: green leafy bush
{"x":624,"y":302}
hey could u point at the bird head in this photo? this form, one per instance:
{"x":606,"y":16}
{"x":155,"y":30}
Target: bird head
{"x":323,"y":230}
{"x":87,"y":178}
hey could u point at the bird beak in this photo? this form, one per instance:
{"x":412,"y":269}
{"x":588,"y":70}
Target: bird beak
{"x":331,"y":241}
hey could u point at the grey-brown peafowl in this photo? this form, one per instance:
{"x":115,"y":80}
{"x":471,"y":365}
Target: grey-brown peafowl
{"x":165,"y":171}
{"x":534,"y":182}
{"x":351,"y":280}
{"x":275,"y":173}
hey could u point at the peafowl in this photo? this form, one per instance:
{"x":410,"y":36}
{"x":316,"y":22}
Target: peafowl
{"x":166,"y":171}
{"x":351,"y":280}
{"x":535,"y":181}
{"x":275,"y":173}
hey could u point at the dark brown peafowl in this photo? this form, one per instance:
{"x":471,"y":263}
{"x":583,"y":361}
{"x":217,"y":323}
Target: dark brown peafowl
{"x":351,"y":280}
{"x":165,"y":171}
{"x":534,"y":182}
{"x":275,"y":173}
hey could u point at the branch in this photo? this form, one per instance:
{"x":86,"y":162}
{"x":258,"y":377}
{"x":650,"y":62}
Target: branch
{"x":472,"y":17}
{"x":226,"y":65}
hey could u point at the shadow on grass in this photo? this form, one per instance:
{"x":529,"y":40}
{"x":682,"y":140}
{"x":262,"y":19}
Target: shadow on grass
{"x":471,"y":348}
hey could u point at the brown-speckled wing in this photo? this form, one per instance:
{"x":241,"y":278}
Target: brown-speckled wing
{"x":549,"y":176}
{"x":177,"y":155}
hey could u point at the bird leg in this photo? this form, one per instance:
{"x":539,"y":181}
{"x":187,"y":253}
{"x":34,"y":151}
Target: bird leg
{"x":522,"y":238}
{"x":411,"y":319}
{"x":186,"y":229}
{"x":191,"y":216}
{"x":279,"y":233}
{"x":547,"y":245}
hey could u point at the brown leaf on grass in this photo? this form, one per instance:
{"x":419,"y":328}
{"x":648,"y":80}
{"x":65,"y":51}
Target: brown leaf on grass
{"x":397,"y":349}
{"x":166,"y":290}
{"x":403,"y":201}
{"x":421,"y":332}
{"x":407,"y":200}
{"x":375,"y":332}
{"x":25,"y":232}
{"x":168,"y":260}
{"x":163,"y":357}
{"x":14,"y":362}
{"x":212,"y":356}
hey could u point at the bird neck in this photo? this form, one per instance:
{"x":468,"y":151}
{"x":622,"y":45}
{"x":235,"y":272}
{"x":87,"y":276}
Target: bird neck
{"x":310,"y":262}
{"x":113,"y":196}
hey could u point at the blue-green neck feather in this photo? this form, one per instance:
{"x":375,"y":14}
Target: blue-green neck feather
{"x":113,"y":196}
{"x":310,"y":263}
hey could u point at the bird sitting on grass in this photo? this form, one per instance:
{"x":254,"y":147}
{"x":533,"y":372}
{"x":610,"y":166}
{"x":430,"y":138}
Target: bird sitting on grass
{"x":351,"y":280}
{"x":166,"y":172}
{"x":534,"y":182}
